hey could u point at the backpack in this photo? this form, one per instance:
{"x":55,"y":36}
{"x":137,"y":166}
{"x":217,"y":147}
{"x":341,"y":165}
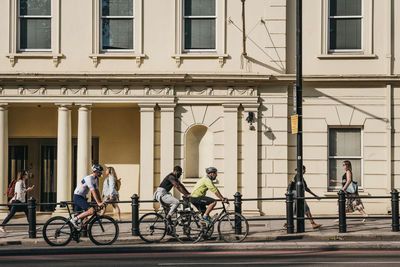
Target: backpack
{"x":11,"y":188}
{"x":117,"y":184}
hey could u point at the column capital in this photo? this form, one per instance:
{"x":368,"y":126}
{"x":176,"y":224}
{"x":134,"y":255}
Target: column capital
{"x":147,"y":107}
{"x":231,"y":107}
{"x":63,"y":105}
{"x":251,"y":107}
{"x":167,"y":107}
{"x":3,"y":106}
{"x":84,"y":106}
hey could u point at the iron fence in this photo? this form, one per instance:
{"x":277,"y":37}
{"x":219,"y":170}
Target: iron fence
{"x":238,"y":202}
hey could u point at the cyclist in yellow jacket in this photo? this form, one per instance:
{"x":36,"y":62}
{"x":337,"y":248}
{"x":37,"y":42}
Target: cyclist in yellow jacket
{"x":198,"y":197}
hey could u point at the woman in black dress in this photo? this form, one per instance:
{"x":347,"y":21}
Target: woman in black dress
{"x":353,"y":201}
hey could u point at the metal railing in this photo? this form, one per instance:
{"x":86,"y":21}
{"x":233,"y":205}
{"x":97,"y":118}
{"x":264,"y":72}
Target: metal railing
{"x":238,"y":201}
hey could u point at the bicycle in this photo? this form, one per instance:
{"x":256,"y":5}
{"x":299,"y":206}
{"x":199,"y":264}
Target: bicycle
{"x":59,"y":231}
{"x":232,"y":227}
{"x":186,"y":224}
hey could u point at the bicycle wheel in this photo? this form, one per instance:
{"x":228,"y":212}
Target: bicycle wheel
{"x":103,"y":230}
{"x":188,"y":227}
{"x":233,"y":227}
{"x":57,"y":231}
{"x":152,"y":227}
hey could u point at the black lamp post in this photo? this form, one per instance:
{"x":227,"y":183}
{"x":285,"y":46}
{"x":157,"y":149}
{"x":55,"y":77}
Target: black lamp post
{"x":299,"y":108}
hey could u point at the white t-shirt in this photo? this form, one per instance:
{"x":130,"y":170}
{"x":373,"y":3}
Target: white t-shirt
{"x":88,"y":183}
{"x":20,"y":190}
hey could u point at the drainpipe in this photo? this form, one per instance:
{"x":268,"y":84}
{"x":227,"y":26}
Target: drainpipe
{"x":244,"y":53}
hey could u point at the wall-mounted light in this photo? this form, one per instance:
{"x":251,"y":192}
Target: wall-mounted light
{"x":250,"y":120}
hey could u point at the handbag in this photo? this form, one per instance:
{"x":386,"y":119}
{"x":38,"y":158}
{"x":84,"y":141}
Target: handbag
{"x":352,"y":188}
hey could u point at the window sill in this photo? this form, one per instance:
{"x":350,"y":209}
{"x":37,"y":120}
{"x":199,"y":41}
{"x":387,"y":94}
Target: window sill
{"x":14,"y":57}
{"x":138,"y":57}
{"x":179,"y":57}
{"x":347,"y":56}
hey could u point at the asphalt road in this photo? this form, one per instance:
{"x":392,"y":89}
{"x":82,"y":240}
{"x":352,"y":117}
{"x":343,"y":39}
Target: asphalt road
{"x":220,"y":258}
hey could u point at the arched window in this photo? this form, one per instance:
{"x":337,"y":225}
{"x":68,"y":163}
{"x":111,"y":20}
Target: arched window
{"x":199,"y":151}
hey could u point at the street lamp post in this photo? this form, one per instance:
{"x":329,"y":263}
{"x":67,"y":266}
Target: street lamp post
{"x":299,"y":109}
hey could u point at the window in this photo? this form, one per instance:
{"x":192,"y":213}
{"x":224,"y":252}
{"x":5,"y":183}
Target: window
{"x":345,"y":144}
{"x":199,"y":25}
{"x":117,"y":24}
{"x":34,"y":22}
{"x":345,"y":25}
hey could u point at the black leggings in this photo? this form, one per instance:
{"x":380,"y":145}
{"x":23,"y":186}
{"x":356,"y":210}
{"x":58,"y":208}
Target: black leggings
{"x":15,"y":209}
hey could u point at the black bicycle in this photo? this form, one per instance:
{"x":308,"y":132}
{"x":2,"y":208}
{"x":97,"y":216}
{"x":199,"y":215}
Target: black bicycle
{"x":232,"y":226}
{"x":185,"y":227}
{"x":59,"y":231}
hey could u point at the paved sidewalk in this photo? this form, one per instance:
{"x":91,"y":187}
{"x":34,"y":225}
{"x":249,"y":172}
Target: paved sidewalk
{"x":260,"y":231}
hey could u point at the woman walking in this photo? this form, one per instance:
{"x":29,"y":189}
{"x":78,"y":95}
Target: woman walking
{"x":353,"y":200}
{"x":110,"y":192}
{"x":19,"y":197}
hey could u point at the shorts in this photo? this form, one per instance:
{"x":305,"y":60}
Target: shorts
{"x":112,"y":198}
{"x":201,"y":203}
{"x":80,"y":203}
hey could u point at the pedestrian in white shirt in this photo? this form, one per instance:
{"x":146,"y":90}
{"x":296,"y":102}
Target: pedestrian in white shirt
{"x":110,"y":192}
{"x":19,"y":197}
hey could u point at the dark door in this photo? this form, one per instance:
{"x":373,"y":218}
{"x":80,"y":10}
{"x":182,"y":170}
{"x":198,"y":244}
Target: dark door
{"x":17,"y":160}
{"x":48,"y":166}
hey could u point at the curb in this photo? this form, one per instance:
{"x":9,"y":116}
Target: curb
{"x":220,"y":247}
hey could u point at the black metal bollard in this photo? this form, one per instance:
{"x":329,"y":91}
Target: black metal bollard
{"x":135,"y":214}
{"x":32,"y":217}
{"x":395,"y":210}
{"x":238,"y":209}
{"x":342,"y":211}
{"x":289,"y":212}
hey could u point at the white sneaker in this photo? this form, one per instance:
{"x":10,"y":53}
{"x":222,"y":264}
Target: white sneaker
{"x":75,"y":223}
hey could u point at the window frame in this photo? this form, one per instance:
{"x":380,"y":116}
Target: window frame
{"x":366,"y":50}
{"x":215,"y":17}
{"x":361,"y":157}
{"x":19,"y":17}
{"x":346,"y":17}
{"x":101,"y":17}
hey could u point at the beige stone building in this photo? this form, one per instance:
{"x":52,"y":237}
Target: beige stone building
{"x":143,"y":85}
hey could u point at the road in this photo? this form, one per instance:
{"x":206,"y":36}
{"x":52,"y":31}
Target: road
{"x":220,"y":258}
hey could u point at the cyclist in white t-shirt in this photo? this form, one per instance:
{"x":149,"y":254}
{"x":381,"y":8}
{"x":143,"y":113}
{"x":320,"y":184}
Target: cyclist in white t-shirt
{"x":89,"y":183}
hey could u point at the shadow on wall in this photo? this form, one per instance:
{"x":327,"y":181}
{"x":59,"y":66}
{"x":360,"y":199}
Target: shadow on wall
{"x":267,"y":131}
{"x":278,"y":66}
{"x":314,"y":93}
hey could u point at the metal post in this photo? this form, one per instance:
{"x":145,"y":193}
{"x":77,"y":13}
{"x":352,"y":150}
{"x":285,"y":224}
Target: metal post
{"x":238,"y":209}
{"x":32,"y":217}
{"x":299,"y":108}
{"x":289,"y":212}
{"x":342,"y":211}
{"x":135,"y":214}
{"x":395,"y":210}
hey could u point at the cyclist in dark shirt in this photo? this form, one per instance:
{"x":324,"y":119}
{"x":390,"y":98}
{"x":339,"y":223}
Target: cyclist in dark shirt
{"x":163,"y":194}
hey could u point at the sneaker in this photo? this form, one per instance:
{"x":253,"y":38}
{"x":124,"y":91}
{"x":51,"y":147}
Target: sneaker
{"x":75,"y":223}
{"x":205,"y":219}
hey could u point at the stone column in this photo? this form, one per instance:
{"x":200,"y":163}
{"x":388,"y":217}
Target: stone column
{"x":250,"y":160}
{"x":84,"y":142}
{"x":230,"y":149}
{"x":146,"y":184}
{"x":167,"y":138}
{"x":64,"y":153}
{"x":3,"y":157}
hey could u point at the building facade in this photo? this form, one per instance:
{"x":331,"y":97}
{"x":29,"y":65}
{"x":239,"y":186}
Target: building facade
{"x":143,"y":85}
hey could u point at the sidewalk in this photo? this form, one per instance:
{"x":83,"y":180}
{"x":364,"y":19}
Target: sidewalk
{"x":259,"y":231}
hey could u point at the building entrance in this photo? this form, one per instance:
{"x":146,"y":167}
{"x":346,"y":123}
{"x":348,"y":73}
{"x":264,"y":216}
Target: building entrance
{"x":39,"y":157}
